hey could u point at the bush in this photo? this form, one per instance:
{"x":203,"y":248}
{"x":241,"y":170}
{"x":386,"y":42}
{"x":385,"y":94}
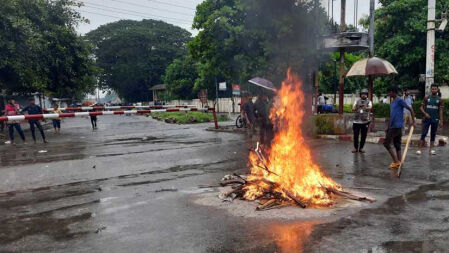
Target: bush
{"x":324,"y":124}
{"x":381,"y":110}
{"x":416,"y":108}
{"x":347,"y":109}
{"x":189,"y":117}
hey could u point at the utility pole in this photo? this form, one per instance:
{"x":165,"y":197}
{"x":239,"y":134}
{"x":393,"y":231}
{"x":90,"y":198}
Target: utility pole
{"x":371,"y":47}
{"x":430,"y":52}
{"x":342,"y":60}
{"x":216,"y":94}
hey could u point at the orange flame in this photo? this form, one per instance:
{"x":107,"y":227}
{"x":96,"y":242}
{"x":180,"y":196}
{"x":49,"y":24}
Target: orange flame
{"x":290,"y":160}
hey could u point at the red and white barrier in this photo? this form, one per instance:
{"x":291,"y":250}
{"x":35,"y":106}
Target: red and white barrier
{"x":98,"y":108}
{"x":99,"y":113}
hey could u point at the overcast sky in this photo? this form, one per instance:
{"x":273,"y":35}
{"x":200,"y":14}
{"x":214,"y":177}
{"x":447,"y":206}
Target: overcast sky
{"x":177,"y":12}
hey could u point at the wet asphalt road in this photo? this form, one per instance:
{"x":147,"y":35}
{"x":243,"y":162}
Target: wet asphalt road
{"x":128,"y":187}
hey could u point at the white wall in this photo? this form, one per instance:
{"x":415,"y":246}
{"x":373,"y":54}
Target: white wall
{"x":224,"y":104}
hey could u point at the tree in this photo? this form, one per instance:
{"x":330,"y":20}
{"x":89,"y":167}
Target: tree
{"x":180,"y":77}
{"x":400,"y":37}
{"x":40,"y":50}
{"x":133,"y":55}
{"x":329,"y":71}
{"x":240,"y":39}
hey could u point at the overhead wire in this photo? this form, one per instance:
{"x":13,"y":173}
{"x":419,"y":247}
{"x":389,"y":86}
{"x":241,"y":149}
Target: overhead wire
{"x":149,"y":7}
{"x":126,"y":12}
{"x":170,"y":4}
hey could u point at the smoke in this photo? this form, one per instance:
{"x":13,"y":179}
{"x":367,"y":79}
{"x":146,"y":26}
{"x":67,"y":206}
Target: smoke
{"x":290,"y":32}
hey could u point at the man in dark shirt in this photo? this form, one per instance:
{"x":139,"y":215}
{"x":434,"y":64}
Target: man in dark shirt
{"x":248,"y":111}
{"x":33,"y":109}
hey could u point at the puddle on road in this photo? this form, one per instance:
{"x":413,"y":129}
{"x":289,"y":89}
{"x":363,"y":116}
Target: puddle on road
{"x":406,"y":216}
{"x":22,"y":155}
{"x":410,"y":247}
{"x":15,"y":229}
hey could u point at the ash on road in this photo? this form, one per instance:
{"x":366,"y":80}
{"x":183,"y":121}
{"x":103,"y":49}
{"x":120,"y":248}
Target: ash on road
{"x":133,"y":186}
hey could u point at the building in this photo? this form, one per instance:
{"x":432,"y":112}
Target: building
{"x":159,"y":92}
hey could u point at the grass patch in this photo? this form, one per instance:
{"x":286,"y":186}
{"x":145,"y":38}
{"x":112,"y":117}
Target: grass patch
{"x":187,"y":117}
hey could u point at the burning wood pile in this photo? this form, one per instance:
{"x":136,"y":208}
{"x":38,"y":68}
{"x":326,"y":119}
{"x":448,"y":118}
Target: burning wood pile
{"x":286,"y":174}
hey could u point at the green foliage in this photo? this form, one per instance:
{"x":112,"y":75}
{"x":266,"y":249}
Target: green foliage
{"x":240,"y":39}
{"x":346,"y":108}
{"x":381,"y":110}
{"x":329,"y":73}
{"x":400,"y":38}
{"x":41,"y":51}
{"x":133,"y":55}
{"x":419,"y":115}
{"x":417,"y":109}
{"x":324,"y":124}
{"x":188,"y":117}
{"x":180,"y":77}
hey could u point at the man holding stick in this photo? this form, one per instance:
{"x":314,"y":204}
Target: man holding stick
{"x":394,"y":130}
{"x":432,"y":109}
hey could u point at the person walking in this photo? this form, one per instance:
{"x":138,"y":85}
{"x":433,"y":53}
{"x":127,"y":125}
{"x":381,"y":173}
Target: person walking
{"x":12,"y":109}
{"x":394,"y":130}
{"x":407,"y":114}
{"x":432,"y":109}
{"x":93,"y":121}
{"x":33,"y":109}
{"x":362,"y":108}
{"x":57,"y":121}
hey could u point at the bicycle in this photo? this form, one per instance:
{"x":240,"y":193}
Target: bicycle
{"x":240,"y":122}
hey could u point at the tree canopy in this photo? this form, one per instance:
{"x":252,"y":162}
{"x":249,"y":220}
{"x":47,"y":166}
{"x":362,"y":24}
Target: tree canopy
{"x":41,"y":51}
{"x":240,"y":39}
{"x":133,"y":55}
{"x":400,"y":37}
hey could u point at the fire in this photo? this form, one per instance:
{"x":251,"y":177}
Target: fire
{"x":289,"y":161}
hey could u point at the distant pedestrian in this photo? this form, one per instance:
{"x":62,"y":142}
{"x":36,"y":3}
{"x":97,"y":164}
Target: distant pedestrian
{"x":394,"y":131}
{"x":93,"y":121}
{"x":321,"y":102}
{"x":57,"y":121}
{"x":432,"y":109}
{"x":407,"y":114}
{"x":362,"y":108}
{"x":33,"y":109}
{"x":12,"y":109}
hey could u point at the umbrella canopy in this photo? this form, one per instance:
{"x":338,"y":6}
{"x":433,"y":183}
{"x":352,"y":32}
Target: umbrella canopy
{"x":264,"y":83}
{"x":372,"y":67}
{"x":89,"y":103}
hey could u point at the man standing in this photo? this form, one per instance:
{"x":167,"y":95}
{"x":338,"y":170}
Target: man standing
{"x":248,"y":114}
{"x":12,"y":109}
{"x":248,"y":111}
{"x":407,"y":114}
{"x":432,"y":109}
{"x":394,"y":131}
{"x":362,"y":108}
{"x":321,"y":102}
{"x":33,"y":109}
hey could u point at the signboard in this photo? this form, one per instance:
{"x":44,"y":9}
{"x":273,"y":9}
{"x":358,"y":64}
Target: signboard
{"x":222,"y":86}
{"x":203,"y":96}
{"x":422,"y":78}
{"x":236,"y":89}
